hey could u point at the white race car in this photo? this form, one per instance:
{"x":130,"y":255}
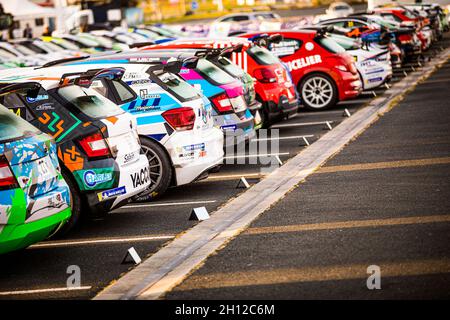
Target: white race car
{"x":373,"y":63}
{"x":175,"y":122}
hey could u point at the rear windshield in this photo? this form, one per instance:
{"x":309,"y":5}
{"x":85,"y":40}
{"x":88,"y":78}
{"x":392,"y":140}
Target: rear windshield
{"x":89,"y":102}
{"x":262,"y":56}
{"x":213,"y":73}
{"x":176,"y":86}
{"x":329,"y":45}
{"x":347,"y":43}
{"x":13,"y":127}
{"x":231,"y":68}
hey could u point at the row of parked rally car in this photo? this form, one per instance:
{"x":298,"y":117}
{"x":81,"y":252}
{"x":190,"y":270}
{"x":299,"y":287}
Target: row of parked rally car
{"x":86,"y":135}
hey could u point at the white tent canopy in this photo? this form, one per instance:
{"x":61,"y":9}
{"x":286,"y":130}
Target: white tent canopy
{"x":24,"y":9}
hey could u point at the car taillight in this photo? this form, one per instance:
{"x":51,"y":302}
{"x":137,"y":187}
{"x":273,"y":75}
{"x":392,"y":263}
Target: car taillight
{"x":180,"y":118}
{"x":222,"y":103}
{"x":7,"y":179}
{"x":95,"y":146}
{"x":265,"y":75}
{"x":405,"y":39}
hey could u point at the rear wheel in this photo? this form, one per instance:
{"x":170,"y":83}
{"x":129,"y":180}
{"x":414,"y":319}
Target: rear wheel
{"x":75,"y":206}
{"x":160,"y":170}
{"x":318,"y":92}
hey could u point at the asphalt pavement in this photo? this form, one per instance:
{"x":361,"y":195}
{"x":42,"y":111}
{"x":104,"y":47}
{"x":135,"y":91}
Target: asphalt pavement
{"x":382,"y":201}
{"x":418,"y":130}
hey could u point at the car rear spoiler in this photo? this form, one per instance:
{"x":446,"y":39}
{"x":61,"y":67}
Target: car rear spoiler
{"x":211,"y":52}
{"x":85,"y":79}
{"x":171,"y":66}
{"x":264,"y":39}
{"x":64,"y":60}
{"x":141,"y":44}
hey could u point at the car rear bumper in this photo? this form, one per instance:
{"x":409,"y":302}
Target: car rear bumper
{"x":194,"y":154}
{"x":133,"y":180}
{"x":350,"y":86}
{"x":16,"y":237}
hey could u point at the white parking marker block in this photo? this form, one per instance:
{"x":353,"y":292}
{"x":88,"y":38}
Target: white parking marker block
{"x":374,"y":93}
{"x":199,"y":214}
{"x":413,"y":69}
{"x":387,"y":86}
{"x":347,"y":113}
{"x":404,"y":73}
{"x":329,"y":127}
{"x":419,"y":63}
{"x":305,"y":141}
{"x":243,"y":182}
{"x":134,"y":255}
{"x":279,"y":160}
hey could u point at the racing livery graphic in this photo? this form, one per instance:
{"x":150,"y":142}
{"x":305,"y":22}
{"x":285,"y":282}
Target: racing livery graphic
{"x":175,"y":121}
{"x":97,"y":143}
{"x":321,"y":69}
{"x":34,"y":198}
{"x":273,"y":85}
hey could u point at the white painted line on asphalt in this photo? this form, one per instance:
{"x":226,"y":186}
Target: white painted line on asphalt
{"x":172,"y":264}
{"x":52,"y":244}
{"x":257,"y":155}
{"x":22,"y":292}
{"x":166,"y":204}
{"x":285,"y":138}
{"x":301,"y":124}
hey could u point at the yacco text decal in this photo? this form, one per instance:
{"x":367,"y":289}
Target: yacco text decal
{"x":304,"y":62}
{"x":140,"y":178}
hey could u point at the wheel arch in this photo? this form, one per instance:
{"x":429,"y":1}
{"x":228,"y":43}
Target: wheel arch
{"x":172,"y":167}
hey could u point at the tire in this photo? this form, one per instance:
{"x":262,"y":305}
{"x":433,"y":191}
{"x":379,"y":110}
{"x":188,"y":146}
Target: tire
{"x":264,"y":114}
{"x":76,"y":206}
{"x":160,"y":170}
{"x":318,"y":92}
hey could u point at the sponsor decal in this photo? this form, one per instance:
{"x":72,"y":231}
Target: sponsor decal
{"x":375,"y":79}
{"x":285,"y":48}
{"x":92,"y":179}
{"x":138,"y":82}
{"x":375,"y":71}
{"x":38,"y":98}
{"x":144,"y":59}
{"x":309,"y":46}
{"x":129,"y":157}
{"x":143,"y":93}
{"x":304,"y":62}
{"x":45,"y":106}
{"x":231,"y":127}
{"x":111,"y":193}
{"x":193,"y":147}
{"x":131,"y":75}
{"x":140,"y":178}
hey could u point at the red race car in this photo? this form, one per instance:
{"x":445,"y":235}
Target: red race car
{"x":274,"y":88}
{"x":408,"y":18}
{"x":323,"y":73}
